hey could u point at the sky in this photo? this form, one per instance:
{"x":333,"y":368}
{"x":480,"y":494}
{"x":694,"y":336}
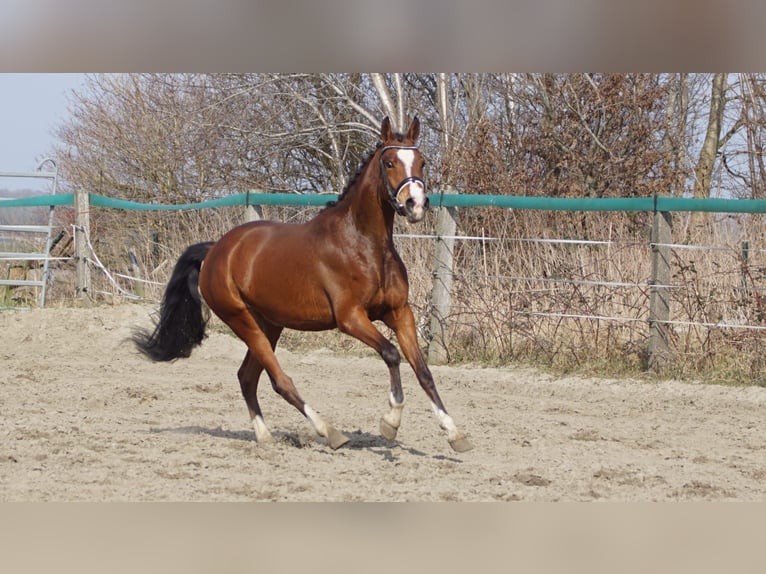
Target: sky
{"x":31,"y":107}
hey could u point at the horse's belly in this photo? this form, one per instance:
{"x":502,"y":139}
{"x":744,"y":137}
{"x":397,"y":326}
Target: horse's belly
{"x":301,"y":309}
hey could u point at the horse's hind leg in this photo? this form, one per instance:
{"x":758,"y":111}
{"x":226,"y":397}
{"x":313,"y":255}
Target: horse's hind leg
{"x":249,"y":374}
{"x":261,"y":351}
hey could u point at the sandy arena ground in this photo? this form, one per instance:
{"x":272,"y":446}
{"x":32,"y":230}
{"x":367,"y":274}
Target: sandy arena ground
{"x":85,"y":418}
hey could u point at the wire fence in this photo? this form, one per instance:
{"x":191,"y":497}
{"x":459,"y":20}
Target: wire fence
{"x":513,"y":295}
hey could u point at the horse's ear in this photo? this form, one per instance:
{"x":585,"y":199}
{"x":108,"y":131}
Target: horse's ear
{"x":385,"y":129}
{"x":414,"y":130}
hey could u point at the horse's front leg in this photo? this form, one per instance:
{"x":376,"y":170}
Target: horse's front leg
{"x":389,"y":422}
{"x":402,"y":321}
{"x":356,"y":323}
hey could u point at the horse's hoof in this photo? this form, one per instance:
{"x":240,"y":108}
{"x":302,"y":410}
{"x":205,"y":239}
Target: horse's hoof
{"x":388,"y":431}
{"x":460,"y":444}
{"x":336,"y":439}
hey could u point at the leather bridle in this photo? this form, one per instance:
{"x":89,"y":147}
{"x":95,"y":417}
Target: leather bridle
{"x":393,"y":193}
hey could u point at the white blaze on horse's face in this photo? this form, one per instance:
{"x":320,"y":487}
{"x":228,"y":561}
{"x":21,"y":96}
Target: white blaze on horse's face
{"x":413,"y":191}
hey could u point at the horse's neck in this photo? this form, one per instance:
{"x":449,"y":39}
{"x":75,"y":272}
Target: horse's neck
{"x":370,"y":215}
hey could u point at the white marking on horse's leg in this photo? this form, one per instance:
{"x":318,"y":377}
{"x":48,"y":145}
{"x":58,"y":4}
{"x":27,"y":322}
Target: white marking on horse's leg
{"x":446,"y":422}
{"x":334,"y":438}
{"x":394,"y":416}
{"x":457,"y":439}
{"x":389,"y":422}
{"x":262,"y":432}
{"x":319,"y":424}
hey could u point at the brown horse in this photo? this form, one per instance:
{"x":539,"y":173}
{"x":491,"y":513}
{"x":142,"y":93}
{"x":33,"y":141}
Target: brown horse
{"x":339,"y":270}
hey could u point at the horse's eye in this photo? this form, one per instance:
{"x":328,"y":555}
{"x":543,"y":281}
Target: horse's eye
{"x":389,"y":164}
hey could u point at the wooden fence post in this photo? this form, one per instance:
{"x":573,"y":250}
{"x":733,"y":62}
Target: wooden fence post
{"x":744,"y":272}
{"x":659,"y":303}
{"x":441,"y":296}
{"x":253,"y":212}
{"x":81,"y":233}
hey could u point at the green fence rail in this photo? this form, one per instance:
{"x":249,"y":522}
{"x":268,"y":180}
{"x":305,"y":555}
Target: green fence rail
{"x":658,"y":349}
{"x":39,"y":201}
{"x":446,"y":200}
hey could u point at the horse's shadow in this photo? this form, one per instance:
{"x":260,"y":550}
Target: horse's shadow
{"x":217,"y":432}
{"x":359,"y":440}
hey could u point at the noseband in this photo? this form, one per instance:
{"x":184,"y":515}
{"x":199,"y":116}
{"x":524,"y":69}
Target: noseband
{"x":393,"y":194}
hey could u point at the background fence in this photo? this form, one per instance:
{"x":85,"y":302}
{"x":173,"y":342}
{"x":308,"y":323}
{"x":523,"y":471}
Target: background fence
{"x":41,"y":235}
{"x":505,"y":295}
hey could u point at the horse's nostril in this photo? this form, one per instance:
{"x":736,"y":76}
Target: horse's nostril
{"x":410,"y":203}
{"x":426,"y":203}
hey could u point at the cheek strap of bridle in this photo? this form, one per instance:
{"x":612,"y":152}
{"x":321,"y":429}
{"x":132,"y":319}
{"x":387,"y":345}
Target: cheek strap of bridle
{"x":393,"y":194}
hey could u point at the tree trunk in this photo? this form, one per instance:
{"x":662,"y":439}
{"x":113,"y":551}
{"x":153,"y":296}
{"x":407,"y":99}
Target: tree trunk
{"x":703,"y":172}
{"x":389,"y":107}
{"x":676,"y":114}
{"x":704,"y":169}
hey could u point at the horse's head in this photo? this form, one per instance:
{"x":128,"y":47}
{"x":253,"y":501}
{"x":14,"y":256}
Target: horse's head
{"x":401,"y":167}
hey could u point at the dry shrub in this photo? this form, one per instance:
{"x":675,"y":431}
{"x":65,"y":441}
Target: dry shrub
{"x":519,"y":295}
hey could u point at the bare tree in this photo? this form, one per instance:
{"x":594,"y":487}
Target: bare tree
{"x":745,"y":163}
{"x":709,"y":150}
{"x":675,"y":140}
{"x":190,"y":137}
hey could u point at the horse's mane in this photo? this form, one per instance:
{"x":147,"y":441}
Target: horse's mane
{"x":355,"y":177}
{"x":359,"y":170}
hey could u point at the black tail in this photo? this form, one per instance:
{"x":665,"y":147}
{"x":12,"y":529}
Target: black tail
{"x":182,"y":323}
